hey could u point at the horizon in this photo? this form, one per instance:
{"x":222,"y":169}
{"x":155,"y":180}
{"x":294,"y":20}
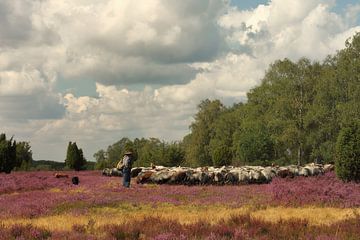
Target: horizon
{"x":94,"y":72}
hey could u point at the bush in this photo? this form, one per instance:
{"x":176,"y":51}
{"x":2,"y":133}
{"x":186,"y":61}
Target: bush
{"x":347,"y":163}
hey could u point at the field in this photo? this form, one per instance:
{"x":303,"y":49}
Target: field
{"x":36,"y":205}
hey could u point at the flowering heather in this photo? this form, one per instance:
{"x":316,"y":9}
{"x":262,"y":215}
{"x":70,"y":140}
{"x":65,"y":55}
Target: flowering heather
{"x":38,"y":193}
{"x":34,"y":194}
{"x":324,"y":190}
{"x":29,"y":181}
{"x":36,"y":205}
{"x":237,"y":227}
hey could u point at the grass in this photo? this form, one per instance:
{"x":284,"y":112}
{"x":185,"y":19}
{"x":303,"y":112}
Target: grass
{"x":313,"y":215}
{"x":184,"y":214}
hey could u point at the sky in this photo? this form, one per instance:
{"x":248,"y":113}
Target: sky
{"x":95,"y":71}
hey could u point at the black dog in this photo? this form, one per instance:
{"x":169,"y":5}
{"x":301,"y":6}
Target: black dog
{"x":75,"y":180}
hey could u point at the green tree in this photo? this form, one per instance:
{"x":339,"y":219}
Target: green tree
{"x":337,"y":99}
{"x":116,"y":151}
{"x":347,"y":163}
{"x":81,"y":162}
{"x":282,"y":101}
{"x":151,"y":151}
{"x":221,"y":142}
{"x":23,"y":155}
{"x":197,"y":148}
{"x":253,"y":144}
{"x":7,"y":154}
{"x":348,"y":78}
{"x":101,"y":159}
{"x":174,"y":154}
{"x":74,"y":157}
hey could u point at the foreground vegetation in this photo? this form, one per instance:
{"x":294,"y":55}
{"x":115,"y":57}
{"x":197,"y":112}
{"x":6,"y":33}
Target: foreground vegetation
{"x":36,"y":205}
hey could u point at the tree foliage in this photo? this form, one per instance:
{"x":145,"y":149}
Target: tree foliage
{"x":14,"y":155}
{"x":348,"y":153}
{"x":23,"y":155}
{"x":254,"y":144}
{"x":202,"y":130}
{"x":74,"y":157}
{"x":7,"y":154}
{"x":145,"y":152}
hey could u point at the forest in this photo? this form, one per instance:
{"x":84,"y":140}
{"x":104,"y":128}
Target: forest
{"x":294,"y":116}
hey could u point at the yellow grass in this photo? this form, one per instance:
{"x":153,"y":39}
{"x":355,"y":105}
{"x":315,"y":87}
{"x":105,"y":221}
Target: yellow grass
{"x":314,"y":215}
{"x":55,"y":190}
{"x":185,"y":214}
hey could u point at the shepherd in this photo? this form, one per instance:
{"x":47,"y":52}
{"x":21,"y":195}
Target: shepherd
{"x":125,"y":165}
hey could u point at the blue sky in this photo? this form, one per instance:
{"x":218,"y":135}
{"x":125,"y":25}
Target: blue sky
{"x":98,"y":70}
{"x":248,"y":4}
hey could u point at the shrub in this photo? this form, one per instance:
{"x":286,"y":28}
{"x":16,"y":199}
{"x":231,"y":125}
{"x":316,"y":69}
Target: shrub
{"x":347,"y":163}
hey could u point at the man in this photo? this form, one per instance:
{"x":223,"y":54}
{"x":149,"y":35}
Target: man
{"x":125,"y":166}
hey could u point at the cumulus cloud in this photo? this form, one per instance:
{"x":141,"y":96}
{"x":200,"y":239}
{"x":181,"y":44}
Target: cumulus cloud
{"x":127,"y":42}
{"x":21,"y":24}
{"x":26,"y":95}
{"x":14,"y":83}
{"x":290,"y":29}
{"x":114,"y":113}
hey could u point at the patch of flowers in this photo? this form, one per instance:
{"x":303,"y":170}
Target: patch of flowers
{"x":35,"y":194}
{"x":323,"y":190}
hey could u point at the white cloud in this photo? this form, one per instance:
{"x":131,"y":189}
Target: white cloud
{"x":27,"y":95}
{"x":95,"y":122}
{"x":21,"y":83}
{"x":110,"y":38}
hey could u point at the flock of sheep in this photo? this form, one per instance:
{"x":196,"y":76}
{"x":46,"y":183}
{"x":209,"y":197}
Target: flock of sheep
{"x":219,"y":176}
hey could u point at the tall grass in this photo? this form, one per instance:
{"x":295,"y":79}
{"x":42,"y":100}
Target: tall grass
{"x":236,"y":227}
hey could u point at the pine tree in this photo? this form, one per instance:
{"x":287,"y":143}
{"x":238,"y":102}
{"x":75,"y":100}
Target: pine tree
{"x":7,"y":154}
{"x":75,"y":157}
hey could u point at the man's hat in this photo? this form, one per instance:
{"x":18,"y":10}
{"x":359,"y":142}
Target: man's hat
{"x":128,"y":153}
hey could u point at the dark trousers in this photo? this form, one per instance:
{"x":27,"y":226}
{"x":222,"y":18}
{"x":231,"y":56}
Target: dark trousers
{"x":126,"y":177}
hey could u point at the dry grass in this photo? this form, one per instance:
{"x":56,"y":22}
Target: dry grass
{"x":314,"y":215}
{"x":184,"y":214}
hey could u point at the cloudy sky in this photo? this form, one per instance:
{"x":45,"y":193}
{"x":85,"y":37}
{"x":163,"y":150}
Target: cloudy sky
{"x":94,"y":71}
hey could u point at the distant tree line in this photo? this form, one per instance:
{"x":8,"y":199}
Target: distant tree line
{"x":293,"y":117}
{"x":18,"y":156}
{"x":14,"y":155}
{"x":145,"y":151}
{"x":48,"y":165}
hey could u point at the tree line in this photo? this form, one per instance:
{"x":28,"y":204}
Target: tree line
{"x":293,"y":117}
{"x":14,"y":154}
{"x":18,"y":156}
{"x":145,"y":151}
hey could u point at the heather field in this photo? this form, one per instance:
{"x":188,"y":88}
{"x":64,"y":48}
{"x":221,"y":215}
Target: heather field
{"x":36,"y":205}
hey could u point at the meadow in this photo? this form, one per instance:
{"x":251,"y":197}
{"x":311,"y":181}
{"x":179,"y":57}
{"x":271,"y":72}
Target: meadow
{"x":36,"y":205}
